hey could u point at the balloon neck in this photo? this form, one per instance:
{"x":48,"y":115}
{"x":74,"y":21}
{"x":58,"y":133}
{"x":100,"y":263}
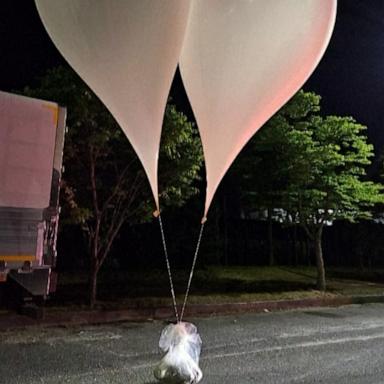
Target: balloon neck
{"x":204,"y":219}
{"x":156,"y":213}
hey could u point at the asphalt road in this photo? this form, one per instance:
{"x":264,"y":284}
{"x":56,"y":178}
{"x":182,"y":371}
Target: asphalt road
{"x":344,"y":345}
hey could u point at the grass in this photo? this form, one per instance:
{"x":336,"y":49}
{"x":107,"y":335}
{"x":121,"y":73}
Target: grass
{"x":216,"y":285}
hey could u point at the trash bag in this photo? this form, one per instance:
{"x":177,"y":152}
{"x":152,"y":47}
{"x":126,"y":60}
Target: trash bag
{"x":182,"y":345}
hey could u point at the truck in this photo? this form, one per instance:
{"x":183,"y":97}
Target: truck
{"x":31,"y":152}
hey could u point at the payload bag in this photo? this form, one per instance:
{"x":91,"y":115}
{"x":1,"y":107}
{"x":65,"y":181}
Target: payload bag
{"x":182,"y":345}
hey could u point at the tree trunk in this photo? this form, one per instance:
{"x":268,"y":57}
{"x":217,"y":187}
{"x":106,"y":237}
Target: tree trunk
{"x":92,"y":288}
{"x":295,"y":253}
{"x":321,"y":286}
{"x":308,"y":252}
{"x":93,"y":271}
{"x":271,"y":255}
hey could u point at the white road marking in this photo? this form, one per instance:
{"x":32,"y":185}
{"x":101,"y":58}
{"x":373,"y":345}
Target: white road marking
{"x":336,"y":328}
{"x":51,"y":340}
{"x":308,"y":344}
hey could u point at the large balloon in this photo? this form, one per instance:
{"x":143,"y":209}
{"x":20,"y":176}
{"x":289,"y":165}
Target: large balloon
{"x":127,"y":52}
{"x":241,"y":61}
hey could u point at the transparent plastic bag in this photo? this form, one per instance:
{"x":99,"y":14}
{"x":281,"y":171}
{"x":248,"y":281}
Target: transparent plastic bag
{"x":182,"y":345}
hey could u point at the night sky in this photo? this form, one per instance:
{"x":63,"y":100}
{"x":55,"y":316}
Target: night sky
{"x":350,"y":77}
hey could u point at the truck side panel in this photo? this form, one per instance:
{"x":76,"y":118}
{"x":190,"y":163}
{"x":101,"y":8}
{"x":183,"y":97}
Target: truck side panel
{"x":31,"y":151}
{"x":27,"y":144}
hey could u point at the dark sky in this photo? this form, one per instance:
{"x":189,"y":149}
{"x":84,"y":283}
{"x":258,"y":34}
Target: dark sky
{"x":350,"y":77}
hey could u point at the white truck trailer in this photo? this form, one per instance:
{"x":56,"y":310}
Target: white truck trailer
{"x":31,"y":151}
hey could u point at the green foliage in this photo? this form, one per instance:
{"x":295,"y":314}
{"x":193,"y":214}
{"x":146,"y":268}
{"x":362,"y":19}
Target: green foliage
{"x":310,"y":167}
{"x":181,"y":158}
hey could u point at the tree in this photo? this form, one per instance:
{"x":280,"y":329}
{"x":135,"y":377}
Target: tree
{"x":266,"y":163}
{"x":333,"y":188}
{"x":318,"y":169}
{"x":104,"y":184}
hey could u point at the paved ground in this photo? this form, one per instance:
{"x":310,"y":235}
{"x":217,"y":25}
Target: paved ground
{"x":344,"y":345}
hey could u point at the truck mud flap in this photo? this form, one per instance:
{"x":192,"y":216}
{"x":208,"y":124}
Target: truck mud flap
{"x":36,"y":282}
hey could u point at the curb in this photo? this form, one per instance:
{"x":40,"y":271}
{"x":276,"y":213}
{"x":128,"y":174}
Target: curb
{"x":9,"y":321}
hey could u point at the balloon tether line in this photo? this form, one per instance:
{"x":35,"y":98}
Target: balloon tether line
{"x":168,"y":267}
{"x":192,"y":270}
{"x":179,"y":318}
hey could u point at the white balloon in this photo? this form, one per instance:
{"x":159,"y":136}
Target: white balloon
{"x":241,"y":61}
{"x":127,"y":52}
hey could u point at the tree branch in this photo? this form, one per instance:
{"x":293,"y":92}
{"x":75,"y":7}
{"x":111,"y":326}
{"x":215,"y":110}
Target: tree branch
{"x":118,"y":218}
{"x":92,"y":169}
{"x":307,"y":231}
{"x":120,"y":180}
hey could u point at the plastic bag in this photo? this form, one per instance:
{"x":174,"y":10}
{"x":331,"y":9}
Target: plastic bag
{"x":180,"y":364}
